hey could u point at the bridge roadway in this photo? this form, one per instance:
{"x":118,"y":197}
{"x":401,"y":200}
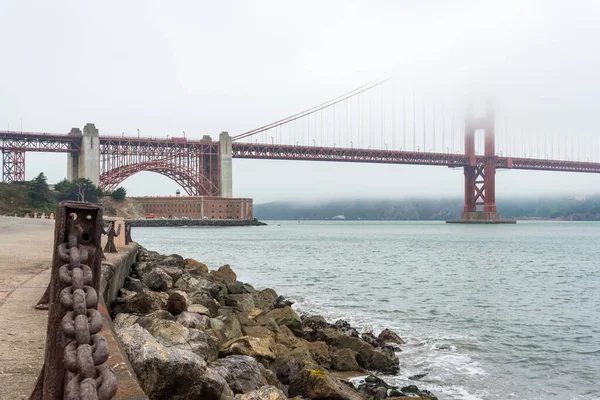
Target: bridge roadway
{"x":51,"y":142}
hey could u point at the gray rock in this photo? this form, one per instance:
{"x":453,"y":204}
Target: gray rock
{"x":265,"y":299}
{"x":193,"y":320}
{"x":133,"y":284}
{"x":344,"y":360}
{"x":242,"y":373}
{"x":177,"y":302}
{"x":124,"y":320}
{"x":163,"y":373}
{"x":243,"y":303}
{"x":389,"y":336}
{"x":319,"y":384}
{"x":143,"y":302}
{"x":157,"y":280}
{"x":206,"y":300}
{"x":264,"y":393}
{"x":214,"y":386}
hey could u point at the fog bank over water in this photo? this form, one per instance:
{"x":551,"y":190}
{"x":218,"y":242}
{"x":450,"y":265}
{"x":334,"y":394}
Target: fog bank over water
{"x":427,"y":208}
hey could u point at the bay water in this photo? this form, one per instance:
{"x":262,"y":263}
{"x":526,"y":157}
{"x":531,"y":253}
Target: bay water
{"x":488,"y":311}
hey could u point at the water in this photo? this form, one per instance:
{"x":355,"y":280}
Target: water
{"x":489,"y":312}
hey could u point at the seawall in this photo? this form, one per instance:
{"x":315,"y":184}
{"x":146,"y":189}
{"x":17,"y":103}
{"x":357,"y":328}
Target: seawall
{"x":194,"y":222}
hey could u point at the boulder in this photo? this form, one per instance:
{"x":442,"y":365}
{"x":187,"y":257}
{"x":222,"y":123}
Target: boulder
{"x":264,"y":393}
{"x":202,"y":344}
{"x":152,"y":362}
{"x":344,"y":360}
{"x":291,"y":360}
{"x":177,"y":302}
{"x":224,"y":273}
{"x":243,"y":303}
{"x":320,"y":353}
{"x":194,"y":266}
{"x":283,"y":316}
{"x":133,"y":284}
{"x":174,"y":272}
{"x":174,"y":260}
{"x":205,"y":300}
{"x":389,"y":336}
{"x":143,"y":302}
{"x":344,"y":327}
{"x":236,"y":287}
{"x":214,"y":386}
{"x":242,"y":373}
{"x":157,"y":280}
{"x":258,"y":331}
{"x":123,"y":320}
{"x":319,"y":384}
{"x":226,"y":326}
{"x":193,"y":320}
{"x":281,"y":302}
{"x":374,"y":387}
{"x":368,"y":357}
{"x":166,"y":332}
{"x":265,"y":299}
{"x":248,"y":346}
{"x":371,"y":339}
{"x":413,"y":390}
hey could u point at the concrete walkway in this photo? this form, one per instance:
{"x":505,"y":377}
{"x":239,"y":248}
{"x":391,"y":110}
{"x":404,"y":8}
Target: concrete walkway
{"x":25,"y":260}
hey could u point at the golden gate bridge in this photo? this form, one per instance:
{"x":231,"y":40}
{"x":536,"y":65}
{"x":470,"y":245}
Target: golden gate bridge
{"x":370,"y":124}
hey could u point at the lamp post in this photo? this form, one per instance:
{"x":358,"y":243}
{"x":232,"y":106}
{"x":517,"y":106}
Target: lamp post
{"x":314,"y":144}
{"x":138,"y":129}
{"x":21,"y":124}
{"x":272,"y":141}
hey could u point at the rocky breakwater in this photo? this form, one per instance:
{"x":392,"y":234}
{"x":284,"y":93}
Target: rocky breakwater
{"x":192,"y":333}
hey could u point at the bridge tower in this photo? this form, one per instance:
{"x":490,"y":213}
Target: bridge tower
{"x":225,"y":156}
{"x":480,"y":176}
{"x":86,"y":163}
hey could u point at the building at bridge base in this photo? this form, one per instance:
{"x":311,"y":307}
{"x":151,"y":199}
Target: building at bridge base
{"x":480,"y":174}
{"x":86,"y":163}
{"x":197,"y":207}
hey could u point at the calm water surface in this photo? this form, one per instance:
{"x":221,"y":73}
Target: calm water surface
{"x":489,"y":312}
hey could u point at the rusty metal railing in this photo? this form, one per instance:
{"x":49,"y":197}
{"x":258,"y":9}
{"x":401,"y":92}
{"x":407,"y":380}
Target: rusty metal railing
{"x":75,"y":354}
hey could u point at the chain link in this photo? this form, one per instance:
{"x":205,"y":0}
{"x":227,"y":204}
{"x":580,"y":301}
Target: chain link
{"x":86,"y":351}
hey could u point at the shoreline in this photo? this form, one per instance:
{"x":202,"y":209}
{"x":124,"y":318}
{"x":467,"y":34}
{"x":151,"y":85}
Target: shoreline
{"x":234,"y":339}
{"x":156,"y":223}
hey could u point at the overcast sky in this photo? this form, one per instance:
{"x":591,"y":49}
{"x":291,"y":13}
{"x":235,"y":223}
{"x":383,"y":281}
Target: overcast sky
{"x":205,"y":67}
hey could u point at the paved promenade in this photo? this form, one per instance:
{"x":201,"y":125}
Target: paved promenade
{"x":25,"y":260}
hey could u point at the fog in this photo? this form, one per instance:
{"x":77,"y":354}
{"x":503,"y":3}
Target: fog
{"x":206,"y":67}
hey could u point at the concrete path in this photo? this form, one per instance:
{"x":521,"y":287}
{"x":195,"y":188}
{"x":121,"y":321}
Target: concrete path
{"x":25,"y":260}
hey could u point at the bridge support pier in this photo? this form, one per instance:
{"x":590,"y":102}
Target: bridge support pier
{"x":225,"y":167}
{"x":86,"y":163}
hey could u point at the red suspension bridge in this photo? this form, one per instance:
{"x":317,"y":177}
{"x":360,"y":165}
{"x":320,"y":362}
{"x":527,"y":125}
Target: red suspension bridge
{"x":370,"y":124}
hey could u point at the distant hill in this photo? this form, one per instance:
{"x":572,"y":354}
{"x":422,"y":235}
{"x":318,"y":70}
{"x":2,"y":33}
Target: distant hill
{"x":563,"y":208}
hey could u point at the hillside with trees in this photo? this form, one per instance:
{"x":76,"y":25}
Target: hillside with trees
{"x":35,"y":195}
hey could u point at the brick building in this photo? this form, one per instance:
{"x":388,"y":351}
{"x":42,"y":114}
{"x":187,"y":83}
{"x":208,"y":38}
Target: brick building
{"x":197,"y":207}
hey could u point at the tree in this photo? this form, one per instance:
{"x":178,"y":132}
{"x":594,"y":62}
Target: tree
{"x":80,"y":190}
{"x":119,"y":194}
{"x":39,"y":193}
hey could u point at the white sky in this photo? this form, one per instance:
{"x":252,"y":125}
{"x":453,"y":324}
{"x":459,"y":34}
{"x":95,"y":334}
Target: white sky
{"x":205,"y":67}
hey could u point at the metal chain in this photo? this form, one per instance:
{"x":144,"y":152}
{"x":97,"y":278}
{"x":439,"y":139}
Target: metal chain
{"x":86,"y":351}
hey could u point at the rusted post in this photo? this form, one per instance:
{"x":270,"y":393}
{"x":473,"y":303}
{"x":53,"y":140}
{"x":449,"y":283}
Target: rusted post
{"x":75,"y":353}
{"x":128,"y":232}
{"x":111,"y":233}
